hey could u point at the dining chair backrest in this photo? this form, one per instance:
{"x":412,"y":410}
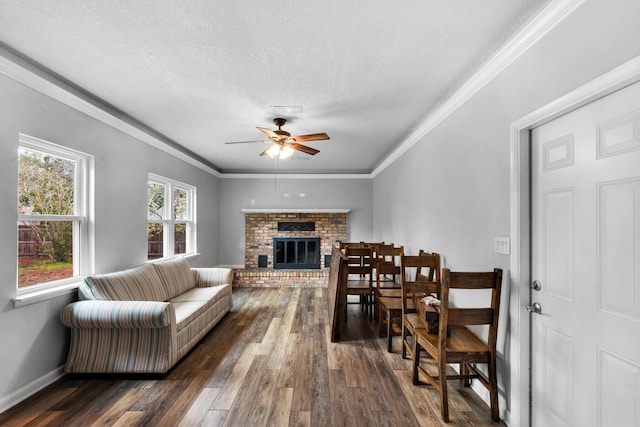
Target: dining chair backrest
{"x":387,"y":261}
{"x":486,"y":315}
{"x":457,"y":344}
{"x":360,"y":259}
{"x":344,"y":245}
{"x":420,"y":276}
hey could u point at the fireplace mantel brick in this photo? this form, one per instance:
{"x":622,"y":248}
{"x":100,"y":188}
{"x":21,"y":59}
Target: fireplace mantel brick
{"x":261,"y":228}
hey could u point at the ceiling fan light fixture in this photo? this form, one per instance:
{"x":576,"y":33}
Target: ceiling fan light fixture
{"x":273,"y":151}
{"x":286,"y":152}
{"x":282,"y":152}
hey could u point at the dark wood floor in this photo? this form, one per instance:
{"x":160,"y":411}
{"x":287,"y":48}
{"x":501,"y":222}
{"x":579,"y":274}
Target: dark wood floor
{"x":269,"y":362}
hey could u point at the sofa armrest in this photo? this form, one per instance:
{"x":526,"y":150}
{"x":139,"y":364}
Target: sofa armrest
{"x":118,"y":314}
{"x":216,"y":276}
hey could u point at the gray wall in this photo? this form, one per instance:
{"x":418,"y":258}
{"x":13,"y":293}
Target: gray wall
{"x":34,"y":343}
{"x":455,"y":181}
{"x":269,"y":193}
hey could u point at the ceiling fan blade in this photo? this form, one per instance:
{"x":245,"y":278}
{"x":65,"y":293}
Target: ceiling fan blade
{"x":311,"y":137}
{"x":304,"y":148}
{"x":243,"y":142}
{"x":269,"y":132}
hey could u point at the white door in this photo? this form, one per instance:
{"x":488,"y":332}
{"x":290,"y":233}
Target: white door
{"x":586,"y":257}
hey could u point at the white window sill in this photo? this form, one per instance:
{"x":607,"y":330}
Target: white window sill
{"x":28,"y":298}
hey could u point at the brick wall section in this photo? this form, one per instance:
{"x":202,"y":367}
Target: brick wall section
{"x":261,"y":228}
{"x":270,"y":278}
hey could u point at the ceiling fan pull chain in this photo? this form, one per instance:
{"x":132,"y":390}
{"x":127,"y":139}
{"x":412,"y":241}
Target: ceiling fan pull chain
{"x":275,"y":172}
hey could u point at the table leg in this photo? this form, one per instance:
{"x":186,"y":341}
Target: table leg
{"x":389,"y":330}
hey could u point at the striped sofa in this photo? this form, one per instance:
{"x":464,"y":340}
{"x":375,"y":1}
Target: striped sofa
{"x":145,"y":319}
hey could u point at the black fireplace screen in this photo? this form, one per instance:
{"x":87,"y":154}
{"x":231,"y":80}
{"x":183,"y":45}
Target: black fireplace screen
{"x":296,"y":252}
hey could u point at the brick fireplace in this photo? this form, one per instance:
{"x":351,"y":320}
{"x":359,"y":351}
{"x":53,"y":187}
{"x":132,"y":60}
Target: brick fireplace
{"x":262,"y":226}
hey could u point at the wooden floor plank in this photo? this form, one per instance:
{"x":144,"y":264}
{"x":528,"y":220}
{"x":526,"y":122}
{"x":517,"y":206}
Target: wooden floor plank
{"x":260,"y":401}
{"x":303,"y":378}
{"x":234,"y":382}
{"x":215,"y":418}
{"x":340,"y":407}
{"x":269,"y":362}
{"x":300,"y":419}
{"x":46,"y":419}
{"x":200,"y":407}
{"x":281,"y":407}
{"x":248,"y":399}
{"x":28,"y":410}
{"x":287,"y":376}
{"x":130,"y":418}
{"x":118,"y":408}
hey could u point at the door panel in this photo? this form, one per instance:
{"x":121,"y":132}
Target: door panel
{"x":586,"y":253}
{"x":558,"y":377}
{"x":619,"y":240}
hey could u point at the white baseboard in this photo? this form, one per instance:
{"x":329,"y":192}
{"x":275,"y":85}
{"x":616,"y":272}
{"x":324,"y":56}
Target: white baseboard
{"x":33,"y":387}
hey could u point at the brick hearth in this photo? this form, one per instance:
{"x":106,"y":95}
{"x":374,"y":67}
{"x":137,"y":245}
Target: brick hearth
{"x":261,"y":226}
{"x":270,"y":278}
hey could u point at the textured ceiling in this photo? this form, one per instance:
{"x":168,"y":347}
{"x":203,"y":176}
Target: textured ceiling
{"x":204,"y":72}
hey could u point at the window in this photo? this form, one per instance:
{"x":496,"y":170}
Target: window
{"x":55,"y":237}
{"x":171,"y":218}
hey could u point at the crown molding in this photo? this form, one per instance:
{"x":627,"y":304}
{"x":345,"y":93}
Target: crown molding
{"x":21,"y":70}
{"x":554,"y":13}
{"x":296,"y":176}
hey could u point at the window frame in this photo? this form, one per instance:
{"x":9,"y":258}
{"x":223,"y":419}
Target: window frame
{"x":83,"y":216}
{"x":169,"y":222}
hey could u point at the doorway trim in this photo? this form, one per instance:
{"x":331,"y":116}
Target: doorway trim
{"x":520,"y":207}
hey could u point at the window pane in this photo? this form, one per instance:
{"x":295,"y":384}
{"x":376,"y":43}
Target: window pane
{"x":155,"y":200}
{"x":180,"y":207}
{"x":45,"y":184}
{"x":45,"y":251}
{"x":180,"y":235}
{"x":155,"y":236}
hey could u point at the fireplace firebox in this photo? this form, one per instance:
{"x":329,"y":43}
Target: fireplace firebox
{"x":296,"y":252}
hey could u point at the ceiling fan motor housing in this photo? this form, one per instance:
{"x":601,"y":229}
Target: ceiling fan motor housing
{"x":282,"y":133}
{"x":279,"y":121}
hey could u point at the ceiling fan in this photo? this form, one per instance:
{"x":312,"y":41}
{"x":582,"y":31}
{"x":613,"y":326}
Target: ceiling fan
{"x":283,"y":144}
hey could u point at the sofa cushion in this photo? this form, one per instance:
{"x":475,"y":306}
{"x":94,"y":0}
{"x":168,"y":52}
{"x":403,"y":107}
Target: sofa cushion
{"x":136,"y":284}
{"x":194,"y":302}
{"x":176,"y":276}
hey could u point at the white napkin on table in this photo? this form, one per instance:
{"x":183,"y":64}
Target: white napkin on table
{"x":431,"y":300}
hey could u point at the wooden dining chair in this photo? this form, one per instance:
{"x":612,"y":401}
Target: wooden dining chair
{"x":420,"y":277}
{"x":344,"y":245}
{"x":360,"y":276}
{"x":455,"y":343}
{"x":387,"y":273}
{"x":390,"y":318}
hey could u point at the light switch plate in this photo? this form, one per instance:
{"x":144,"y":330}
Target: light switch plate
{"x":502,"y":245}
